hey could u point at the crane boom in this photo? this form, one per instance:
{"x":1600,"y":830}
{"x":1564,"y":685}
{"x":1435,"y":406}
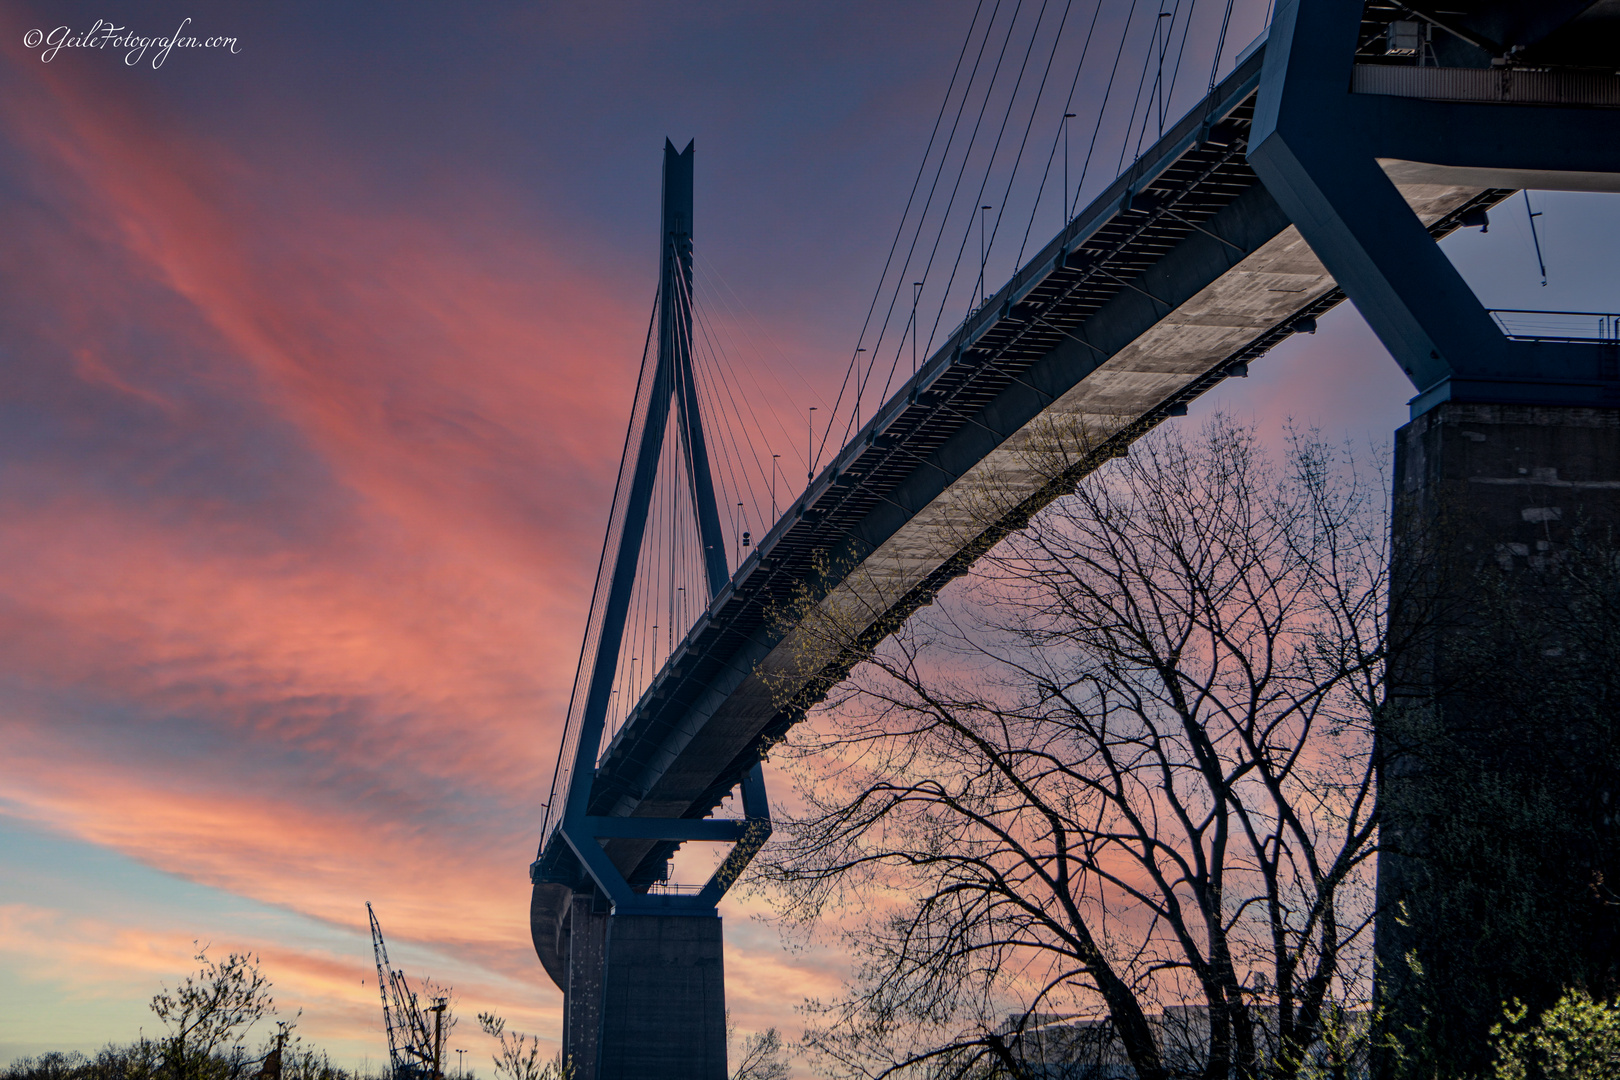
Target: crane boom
{"x":412,"y":1051}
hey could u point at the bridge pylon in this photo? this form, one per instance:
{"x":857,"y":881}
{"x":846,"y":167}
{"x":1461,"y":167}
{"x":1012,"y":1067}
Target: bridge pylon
{"x":639,"y":962}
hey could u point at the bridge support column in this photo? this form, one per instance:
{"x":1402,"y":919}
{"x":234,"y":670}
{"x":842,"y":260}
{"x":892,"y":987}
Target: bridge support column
{"x":645,"y":995}
{"x":664,"y":999}
{"x":1501,"y":747}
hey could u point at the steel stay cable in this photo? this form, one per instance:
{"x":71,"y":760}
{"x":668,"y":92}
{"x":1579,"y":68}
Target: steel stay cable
{"x":648,"y":581}
{"x":939,"y":171}
{"x":656,"y":567}
{"x":666,"y":564}
{"x":900,"y":228}
{"x":950,"y":282}
{"x":1102,"y":111}
{"x":721,"y":436}
{"x":1011,"y":101}
{"x":1163,"y":93}
{"x":1220,"y":46}
{"x":995,"y":149}
{"x":723,"y":364}
{"x":648,"y":578}
{"x":1068,"y":103}
{"x":729,"y":421}
{"x":647,"y":561}
{"x":718,"y":282}
{"x":563,"y":771}
{"x":1141,"y":83}
{"x":1162,"y":90}
{"x":720,"y":428}
{"x":736,"y":470}
{"x":1012,"y":176}
{"x":939,"y":232}
{"x":649,"y":599}
{"x":1175,"y":73}
{"x":688,"y":451}
{"x":709,"y":384}
{"x":625,"y":676}
{"x":727,"y":435}
{"x":723,"y":417}
{"x":653,"y":580}
{"x":1029,"y":125}
{"x":726,"y":439}
{"x":723,"y":425}
{"x":792,"y":442}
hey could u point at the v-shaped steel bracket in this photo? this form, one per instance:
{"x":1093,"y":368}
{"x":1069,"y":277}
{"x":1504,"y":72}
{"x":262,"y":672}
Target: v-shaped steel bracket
{"x":749,"y":835}
{"x":673,"y":381}
{"x":1329,"y":141}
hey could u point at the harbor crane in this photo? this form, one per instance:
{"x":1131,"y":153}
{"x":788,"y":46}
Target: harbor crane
{"x":414,"y":1051}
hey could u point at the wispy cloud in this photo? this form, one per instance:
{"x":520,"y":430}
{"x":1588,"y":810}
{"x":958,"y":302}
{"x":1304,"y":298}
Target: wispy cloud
{"x":299,"y":513}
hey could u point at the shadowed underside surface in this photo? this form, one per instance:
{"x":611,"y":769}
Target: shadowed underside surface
{"x":1173,"y":279}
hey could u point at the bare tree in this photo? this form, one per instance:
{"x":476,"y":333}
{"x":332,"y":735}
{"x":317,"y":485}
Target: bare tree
{"x":519,"y":1054}
{"x":1114,"y":798}
{"x":210,"y":1013}
{"x":760,"y":1056}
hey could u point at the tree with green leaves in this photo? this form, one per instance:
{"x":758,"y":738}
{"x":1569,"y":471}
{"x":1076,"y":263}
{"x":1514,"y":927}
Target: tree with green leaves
{"x":1576,"y":1039}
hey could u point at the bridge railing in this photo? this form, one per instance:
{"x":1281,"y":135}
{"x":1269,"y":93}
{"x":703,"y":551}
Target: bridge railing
{"x":1526,"y":325}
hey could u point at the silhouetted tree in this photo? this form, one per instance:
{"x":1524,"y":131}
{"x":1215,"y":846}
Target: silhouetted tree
{"x":759,"y":1055}
{"x":210,"y":1014}
{"x":518,"y":1057}
{"x":1115,"y":797}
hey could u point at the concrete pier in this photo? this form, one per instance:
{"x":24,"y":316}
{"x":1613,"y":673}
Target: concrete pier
{"x":1500,"y":870}
{"x":645,"y":995}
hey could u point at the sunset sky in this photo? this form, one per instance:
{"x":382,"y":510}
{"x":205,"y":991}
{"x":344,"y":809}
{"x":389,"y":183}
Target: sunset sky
{"x":315,"y":363}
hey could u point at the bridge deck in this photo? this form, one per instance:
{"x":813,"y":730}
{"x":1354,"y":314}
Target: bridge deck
{"x":1181,"y":272}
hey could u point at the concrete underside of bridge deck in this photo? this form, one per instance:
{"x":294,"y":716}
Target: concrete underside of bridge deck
{"x":1222,"y":302}
{"x":1498,"y":754}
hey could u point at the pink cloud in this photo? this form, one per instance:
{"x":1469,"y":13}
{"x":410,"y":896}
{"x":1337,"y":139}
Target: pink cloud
{"x":293,"y":578}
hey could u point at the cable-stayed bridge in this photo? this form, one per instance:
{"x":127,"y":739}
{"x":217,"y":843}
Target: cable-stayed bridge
{"x":1326,"y":162}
